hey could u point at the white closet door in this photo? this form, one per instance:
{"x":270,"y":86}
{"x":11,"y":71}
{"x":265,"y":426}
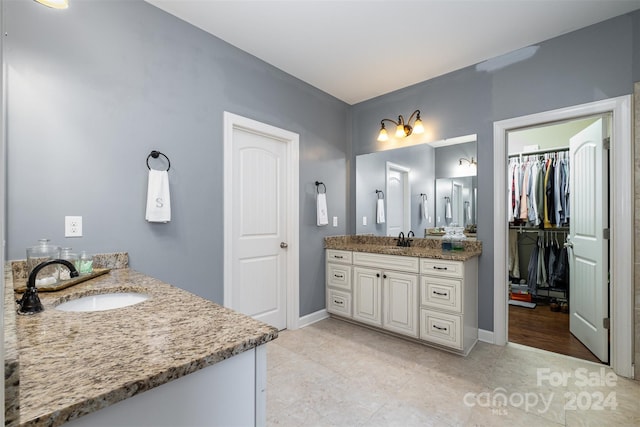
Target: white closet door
{"x":588,"y":251}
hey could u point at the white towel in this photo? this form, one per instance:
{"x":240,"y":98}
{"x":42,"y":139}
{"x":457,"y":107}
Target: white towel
{"x":425,"y":208}
{"x":380,"y":211}
{"x":321,"y":209}
{"x":447,"y":210}
{"x":158,"y":198}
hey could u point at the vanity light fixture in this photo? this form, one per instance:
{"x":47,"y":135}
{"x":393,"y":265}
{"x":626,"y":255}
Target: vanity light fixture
{"x":471,"y":162}
{"x":55,"y":4}
{"x":403,"y":129}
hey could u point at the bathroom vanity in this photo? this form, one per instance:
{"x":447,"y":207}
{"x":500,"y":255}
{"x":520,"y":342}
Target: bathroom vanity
{"x":173,"y":359}
{"x":417,"y":292}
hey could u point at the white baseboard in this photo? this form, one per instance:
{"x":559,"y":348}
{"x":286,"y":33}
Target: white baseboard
{"x":485,"y":336}
{"x":312,"y":318}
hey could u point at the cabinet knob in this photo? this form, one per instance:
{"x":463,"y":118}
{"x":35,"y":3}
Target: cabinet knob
{"x":384,"y":276}
{"x":377,"y":274}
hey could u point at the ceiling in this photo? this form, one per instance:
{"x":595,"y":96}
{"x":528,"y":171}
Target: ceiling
{"x":359,"y":49}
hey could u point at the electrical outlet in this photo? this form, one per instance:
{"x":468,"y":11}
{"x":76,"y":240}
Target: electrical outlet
{"x":364,"y":220}
{"x":72,"y":226}
{"x":335,"y":221}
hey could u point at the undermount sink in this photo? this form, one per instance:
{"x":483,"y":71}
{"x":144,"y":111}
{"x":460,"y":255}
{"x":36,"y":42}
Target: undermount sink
{"x":103,"y":302}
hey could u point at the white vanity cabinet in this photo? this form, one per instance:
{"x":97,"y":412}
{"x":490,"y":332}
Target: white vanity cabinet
{"x":385,"y":291}
{"x":339,"y":289}
{"x":430,"y":300}
{"x":449,"y":303}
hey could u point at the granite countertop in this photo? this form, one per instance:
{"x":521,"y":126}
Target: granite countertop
{"x":71,"y":364}
{"x":420,"y":247}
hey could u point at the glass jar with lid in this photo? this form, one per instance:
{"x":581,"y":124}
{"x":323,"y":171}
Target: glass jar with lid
{"x":42,"y":252}
{"x":447,"y":239}
{"x":85,"y":263}
{"x":68,"y":255}
{"x":458,"y":239}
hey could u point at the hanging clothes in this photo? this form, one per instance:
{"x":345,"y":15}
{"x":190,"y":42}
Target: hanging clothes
{"x":514,"y":258}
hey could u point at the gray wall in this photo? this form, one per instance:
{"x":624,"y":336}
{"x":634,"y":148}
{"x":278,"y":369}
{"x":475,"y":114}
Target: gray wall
{"x":448,"y":160}
{"x":595,"y":63}
{"x":371,"y":174}
{"x":93,"y":89}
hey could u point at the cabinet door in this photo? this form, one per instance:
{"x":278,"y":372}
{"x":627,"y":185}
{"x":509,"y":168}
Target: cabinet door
{"x":400,"y":312}
{"x":367,"y":295}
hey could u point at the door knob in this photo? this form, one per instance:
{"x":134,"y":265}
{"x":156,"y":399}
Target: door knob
{"x":283,"y":245}
{"x":568,"y":245}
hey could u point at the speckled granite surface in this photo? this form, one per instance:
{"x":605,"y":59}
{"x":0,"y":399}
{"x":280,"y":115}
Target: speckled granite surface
{"x":420,"y":247}
{"x":72,"y":364}
{"x":11,"y":365}
{"x":109,"y":260}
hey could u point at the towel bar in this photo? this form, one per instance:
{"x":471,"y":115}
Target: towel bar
{"x":378,"y":193}
{"x":155,"y":154}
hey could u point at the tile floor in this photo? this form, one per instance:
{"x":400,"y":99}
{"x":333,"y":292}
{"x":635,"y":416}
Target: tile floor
{"x":333,"y":373}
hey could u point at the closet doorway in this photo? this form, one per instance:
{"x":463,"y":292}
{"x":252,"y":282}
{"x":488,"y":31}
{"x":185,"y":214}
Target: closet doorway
{"x":621,"y":216}
{"x":558,"y":256}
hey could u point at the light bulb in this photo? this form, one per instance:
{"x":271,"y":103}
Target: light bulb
{"x":418,"y":128}
{"x":55,"y":4}
{"x":382,"y":136}
{"x":400,"y":131}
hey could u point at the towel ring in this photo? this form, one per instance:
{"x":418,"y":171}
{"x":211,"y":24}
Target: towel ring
{"x":378,"y":193}
{"x":424,"y":196}
{"x":155,"y":154}
{"x":318,"y":184}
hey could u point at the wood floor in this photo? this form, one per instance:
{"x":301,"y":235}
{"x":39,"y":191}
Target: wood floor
{"x":544,"y":329}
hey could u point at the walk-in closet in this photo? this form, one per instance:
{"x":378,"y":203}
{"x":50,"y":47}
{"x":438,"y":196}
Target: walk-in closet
{"x":547,"y":212}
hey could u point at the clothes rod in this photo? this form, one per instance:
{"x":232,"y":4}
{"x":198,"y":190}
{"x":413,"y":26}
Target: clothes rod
{"x":533,"y":153}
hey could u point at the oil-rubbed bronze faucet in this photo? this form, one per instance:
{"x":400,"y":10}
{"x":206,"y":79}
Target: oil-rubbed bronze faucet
{"x":30,"y":302}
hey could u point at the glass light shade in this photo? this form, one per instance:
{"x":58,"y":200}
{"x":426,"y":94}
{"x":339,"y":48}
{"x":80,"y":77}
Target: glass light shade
{"x":382,"y":136}
{"x":418,"y":128}
{"x":400,"y":131}
{"x":55,"y":4}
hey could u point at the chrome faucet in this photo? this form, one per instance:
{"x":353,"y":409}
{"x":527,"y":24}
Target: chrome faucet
{"x":30,"y":302}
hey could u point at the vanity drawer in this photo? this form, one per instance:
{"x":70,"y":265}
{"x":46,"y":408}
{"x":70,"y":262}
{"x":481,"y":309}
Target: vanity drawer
{"x":441,"y":293}
{"x":441,"y":328}
{"x":339,"y":276}
{"x":441,"y":267}
{"x":339,"y":302}
{"x":336,"y":255}
{"x":387,"y":262}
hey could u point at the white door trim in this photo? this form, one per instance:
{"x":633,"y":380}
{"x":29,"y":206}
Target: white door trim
{"x":406,"y":196}
{"x":620,"y":214}
{"x":231,"y":122}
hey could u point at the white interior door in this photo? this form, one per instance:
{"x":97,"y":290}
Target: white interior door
{"x":259,"y":226}
{"x":588,"y":251}
{"x":398,"y":200}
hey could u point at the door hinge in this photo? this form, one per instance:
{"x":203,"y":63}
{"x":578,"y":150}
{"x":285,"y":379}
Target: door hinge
{"x":605,"y":323}
{"x":606,"y":143}
{"x":606,"y":233}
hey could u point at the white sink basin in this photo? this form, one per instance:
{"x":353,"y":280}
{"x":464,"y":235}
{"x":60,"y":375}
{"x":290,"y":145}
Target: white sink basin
{"x":103,"y":302}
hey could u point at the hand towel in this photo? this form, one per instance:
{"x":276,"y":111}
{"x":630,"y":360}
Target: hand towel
{"x":447,"y":210}
{"x":158,"y":198}
{"x":380,"y":211}
{"x":425,"y":208}
{"x":321,"y":209}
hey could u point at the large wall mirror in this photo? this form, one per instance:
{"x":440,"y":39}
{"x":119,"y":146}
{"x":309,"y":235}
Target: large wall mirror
{"x":417,"y":187}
